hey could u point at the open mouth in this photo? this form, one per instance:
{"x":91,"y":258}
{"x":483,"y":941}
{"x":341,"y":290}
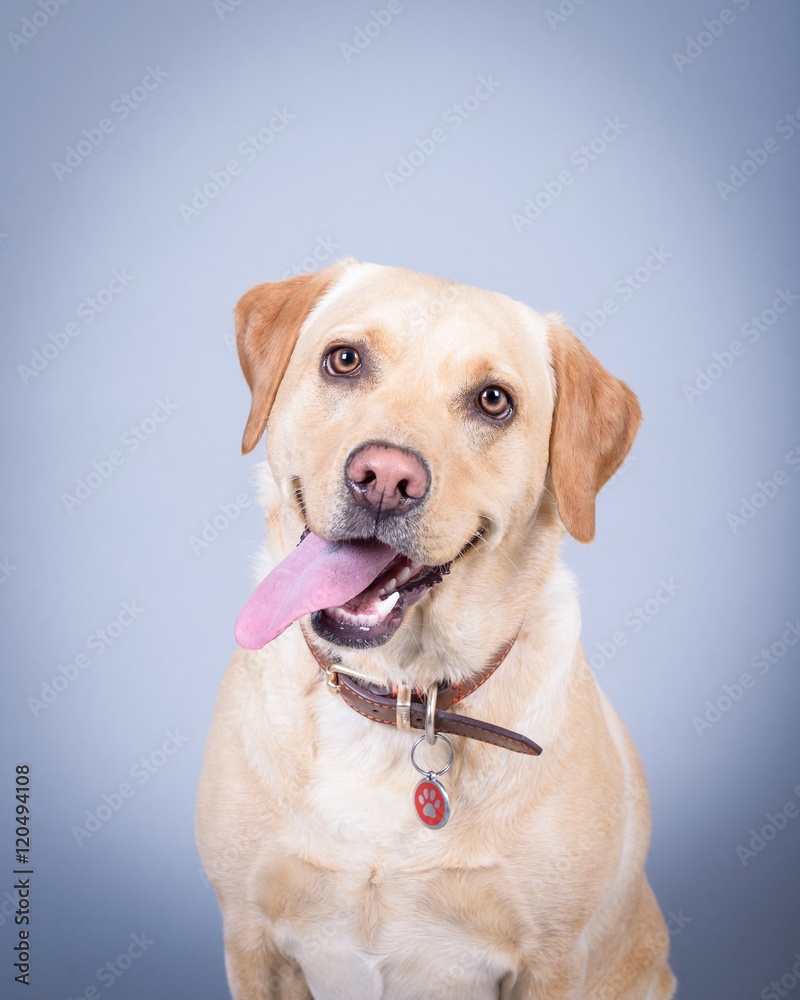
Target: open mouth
{"x":373,"y":616}
{"x":357,"y":591}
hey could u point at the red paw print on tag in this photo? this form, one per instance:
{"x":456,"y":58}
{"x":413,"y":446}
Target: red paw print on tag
{"x":432,"y":804}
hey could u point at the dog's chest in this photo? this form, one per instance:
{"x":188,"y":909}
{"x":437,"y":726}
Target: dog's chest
{"x":381,"y":934}
{"x":383,"y":906}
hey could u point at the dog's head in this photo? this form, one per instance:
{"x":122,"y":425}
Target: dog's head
{"x":422,"y":414}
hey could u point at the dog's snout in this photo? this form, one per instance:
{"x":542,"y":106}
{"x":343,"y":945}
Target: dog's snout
{"x":388,"y":479}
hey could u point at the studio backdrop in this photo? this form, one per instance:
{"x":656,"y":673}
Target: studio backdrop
{"x":632,"y":166}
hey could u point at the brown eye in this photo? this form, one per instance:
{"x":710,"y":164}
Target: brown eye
{"x":495,"y":402}
{"x":343,"y":361}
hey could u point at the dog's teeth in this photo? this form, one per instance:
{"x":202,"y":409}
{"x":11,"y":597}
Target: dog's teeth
{"x":340,"y":614}
{"x":403,"y":575}
{"x":384,"y":607}
{"x":343,"y":615}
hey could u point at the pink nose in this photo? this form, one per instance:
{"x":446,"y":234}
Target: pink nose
{"x":387,"y":479}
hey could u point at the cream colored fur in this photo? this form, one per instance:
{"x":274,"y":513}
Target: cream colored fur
{"x":329,"y":885}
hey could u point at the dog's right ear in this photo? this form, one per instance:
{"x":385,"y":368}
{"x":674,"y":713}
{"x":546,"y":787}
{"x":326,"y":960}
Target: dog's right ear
{"x":268,"y":321}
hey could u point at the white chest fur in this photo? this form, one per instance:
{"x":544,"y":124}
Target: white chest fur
{"x":368,"y":901}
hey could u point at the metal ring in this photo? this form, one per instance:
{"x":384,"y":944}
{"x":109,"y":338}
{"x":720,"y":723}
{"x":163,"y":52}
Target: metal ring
{"x":434,"y":774}
{"x":430,"y":713}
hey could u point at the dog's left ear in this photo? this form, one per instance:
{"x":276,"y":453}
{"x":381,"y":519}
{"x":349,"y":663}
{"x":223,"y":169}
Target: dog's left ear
{"x":268,"y":321}
{"x":595,"y":420}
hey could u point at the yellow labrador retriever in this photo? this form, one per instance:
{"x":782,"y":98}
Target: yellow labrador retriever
{"x":428,"y":445}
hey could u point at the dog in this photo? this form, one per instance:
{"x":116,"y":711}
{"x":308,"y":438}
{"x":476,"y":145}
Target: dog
{"x":428,"y":445}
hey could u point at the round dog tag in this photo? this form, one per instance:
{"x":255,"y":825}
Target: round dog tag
{"x":432,"y":803}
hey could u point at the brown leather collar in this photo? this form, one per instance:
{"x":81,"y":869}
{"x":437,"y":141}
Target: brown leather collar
{"x":410,"y":706}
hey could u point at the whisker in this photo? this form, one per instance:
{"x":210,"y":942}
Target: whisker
{"x":504,"y":553}
{"x":475,"y":513}
{"x":479,"y":537}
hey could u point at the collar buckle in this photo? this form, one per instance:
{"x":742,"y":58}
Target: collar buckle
{"x":332,"y":679}
{"x":403,"y":709}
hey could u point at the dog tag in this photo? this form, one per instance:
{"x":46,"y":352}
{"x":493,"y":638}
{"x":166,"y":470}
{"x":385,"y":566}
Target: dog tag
{"x":432,"y":803}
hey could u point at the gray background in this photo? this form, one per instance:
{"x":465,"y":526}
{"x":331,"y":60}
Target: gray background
{"x":167,"y":336}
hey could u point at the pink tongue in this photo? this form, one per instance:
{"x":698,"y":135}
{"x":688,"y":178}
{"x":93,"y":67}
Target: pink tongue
{"x":317,"y":574}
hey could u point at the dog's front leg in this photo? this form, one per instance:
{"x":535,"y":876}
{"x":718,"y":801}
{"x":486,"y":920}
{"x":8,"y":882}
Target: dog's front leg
{"x":264,"y":974}
{"x":561,"y":983}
